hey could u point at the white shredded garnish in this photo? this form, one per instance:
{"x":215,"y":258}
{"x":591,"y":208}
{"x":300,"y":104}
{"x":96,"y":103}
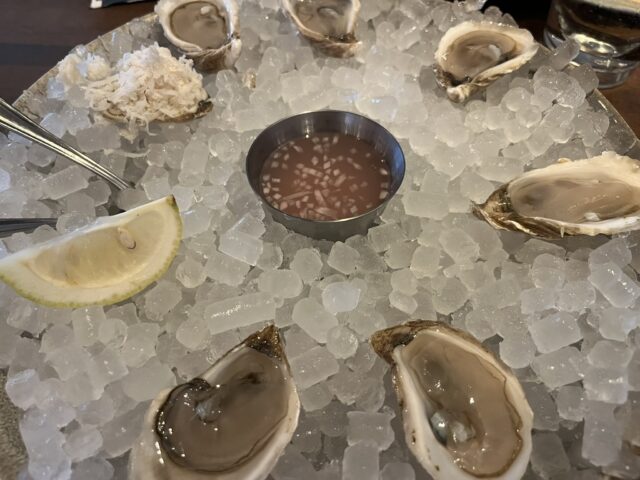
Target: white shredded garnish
{"x":146,"y":85}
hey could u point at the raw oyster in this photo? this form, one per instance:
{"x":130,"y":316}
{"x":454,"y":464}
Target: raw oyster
{"x":473,"y":54}
{"x":231,"y":423}
{"x":465,"y":413}
{"x":329,"y":24}
{"x":582,"y":197}
{"x":205,"y":31}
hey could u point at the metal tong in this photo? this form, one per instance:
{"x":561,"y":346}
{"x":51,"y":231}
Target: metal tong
{"x":17,"y":122}
{"x":9,"y":226}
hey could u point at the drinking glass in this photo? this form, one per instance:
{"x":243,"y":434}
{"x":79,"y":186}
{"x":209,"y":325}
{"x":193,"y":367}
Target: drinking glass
{"x":608,"y":32}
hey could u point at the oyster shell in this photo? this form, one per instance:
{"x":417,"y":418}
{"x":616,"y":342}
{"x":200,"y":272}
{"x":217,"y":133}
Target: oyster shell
{"x":465,"y":414}
{"x":582,"y":197}
{"x":206,"y":31}
{"x":204,"y":107}
{"x":329,"y":24}
{"x":232,"y":423}
{"x":473,"y":54}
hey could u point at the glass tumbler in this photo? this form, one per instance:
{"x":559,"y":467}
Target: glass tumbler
{"x":608,"y":32}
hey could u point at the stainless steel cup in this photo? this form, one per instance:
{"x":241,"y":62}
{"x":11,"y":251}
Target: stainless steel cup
{"x":317,"y":122}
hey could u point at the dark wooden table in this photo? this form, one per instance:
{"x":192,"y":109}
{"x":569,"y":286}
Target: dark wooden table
{"x":36,"y":34}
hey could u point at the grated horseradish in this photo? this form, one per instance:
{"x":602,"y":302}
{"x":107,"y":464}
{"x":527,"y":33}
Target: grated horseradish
{"x":145,"y":85}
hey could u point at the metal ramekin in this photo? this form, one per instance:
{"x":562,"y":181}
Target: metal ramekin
{"x":326,"y":121}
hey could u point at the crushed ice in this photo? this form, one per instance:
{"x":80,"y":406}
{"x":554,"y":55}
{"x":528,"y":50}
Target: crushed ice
{"x":563,"y":314}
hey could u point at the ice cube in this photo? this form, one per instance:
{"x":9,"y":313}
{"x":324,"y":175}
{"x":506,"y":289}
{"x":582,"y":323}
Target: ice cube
{"x":315,"y":397}
{"x":307,"y":263}
{"x":271,"y":257}
{"x":571,"y":402}
{"x":97,"y":412}
{"x":140,"y":344}
{"x":451,"y":294}
{"x":94,"y":468}
{"x":280,"y":283}
{"x":56,"y":337}
{"x":399,"y":254}
{"x":68,"y":361}
{"x":425,"y":205}
{"x":21,"y":388}
{"x":107,"y":366}
{"x":293,"y":465}
{"x":313,"y":319}
{"x":404,"y":281}
{"x":196,"y":220}
{"x":312,"y":367}
{"x":161,"y":299}
{"x":342,"y":342}
{"x":576,"y":296}
{"x":97,"y":137}
{"x":44,"y":442}
{"x":606,"y":384}
{"x":239,"y":311}
{"x":555,"y":331}
{"x":120,"y":434}
{"x":403,"y":302}
{"x":383,"y":236}
{"x":517,"y":352}
{"x":340,"y":297}
{"x":397,"y":471}
{"x":145,"y":382}
{"x":479,"y":323}
{"x":537,"y":300}
{"x":602,"y":437}
{"x":545,"y":414}
{"x":371,"y":427}
{"x":365,"y":320}
{"x":459,"y":246}
{"x":241,"y":246}
{"x":225,"y":269}
{"x":343,"y":258}
{"x":558,"y":368}
{"x":548,"y":458}
{"x":83,"y":443}
{"x":616,"y":251}
{"x":112,"y":331}
{"x":85,"y":323}
{"x":607,"y":354}
{"x":547,"y":271}
{"x":616,"y":323}
{"x":620,"y":290}
{"x":65,"y":182}
{"x":190,"y":273}
{"x":425,"y":261}
{"x":194,"y":161}
{"x":360,"y":462}
{"x":193,"y":333}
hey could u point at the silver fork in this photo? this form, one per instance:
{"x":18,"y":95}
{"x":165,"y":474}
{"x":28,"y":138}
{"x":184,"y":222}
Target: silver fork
{"x":17,"y":122}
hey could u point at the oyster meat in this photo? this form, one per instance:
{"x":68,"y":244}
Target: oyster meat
{"x":473,"y":54}
{"x":206,"y":31}
{"x":328,"y":24}
{"x":465,"y":414}
{"x":232,"y":423}
{"x":598,"y":195}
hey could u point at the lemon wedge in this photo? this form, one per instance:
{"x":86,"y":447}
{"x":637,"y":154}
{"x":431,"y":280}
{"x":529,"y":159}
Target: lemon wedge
{"x":104,"y":263}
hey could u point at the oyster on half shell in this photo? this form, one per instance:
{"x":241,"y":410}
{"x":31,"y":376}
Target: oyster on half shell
{"x":598,"y":195}
{"x":207,"y":31}
{"x":232,"y":423}
{"x":465,"y":414}
{"x":473,"y":54}
{"x":328,"y":24}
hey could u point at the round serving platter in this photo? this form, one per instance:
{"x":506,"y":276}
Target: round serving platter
{"x":13,"y":455}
